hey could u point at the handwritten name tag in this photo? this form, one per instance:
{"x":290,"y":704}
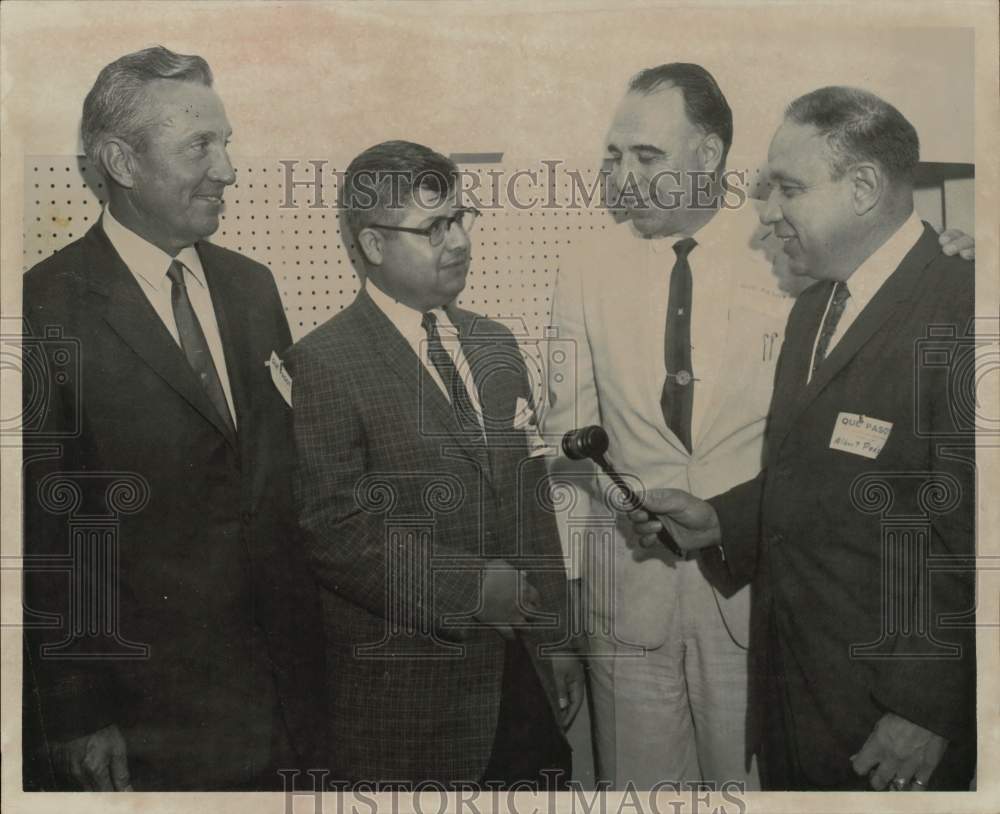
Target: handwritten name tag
{"x":860,"y":434}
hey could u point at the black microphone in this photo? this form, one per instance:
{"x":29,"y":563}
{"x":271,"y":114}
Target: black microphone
{"x":592,"y":442}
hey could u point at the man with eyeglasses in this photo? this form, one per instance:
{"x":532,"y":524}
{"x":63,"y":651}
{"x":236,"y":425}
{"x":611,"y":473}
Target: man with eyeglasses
{"x":441,"y":577}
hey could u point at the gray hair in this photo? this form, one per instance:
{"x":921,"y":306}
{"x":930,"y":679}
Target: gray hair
{"x":116,"y":105}
{"x":859,"y":126}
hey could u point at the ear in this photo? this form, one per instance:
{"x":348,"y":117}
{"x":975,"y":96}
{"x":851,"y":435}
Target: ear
{"x":370,"y":242}
{"x":867,"y":187}
{"x":710,"y":152}
{"x":118,"y":160}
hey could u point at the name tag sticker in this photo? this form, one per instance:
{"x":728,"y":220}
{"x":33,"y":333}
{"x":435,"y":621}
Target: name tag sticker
{"x":860,"y":434}
{"x":280,"y":377}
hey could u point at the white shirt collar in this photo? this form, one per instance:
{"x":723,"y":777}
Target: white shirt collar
{"x":707,"y":235}
{"x":869,"y":277}
{"x":408,"y":321}
{"x":145,"y":260}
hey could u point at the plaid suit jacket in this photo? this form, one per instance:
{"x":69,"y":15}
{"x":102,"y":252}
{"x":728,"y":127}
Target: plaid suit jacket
{"x":402,"y":510}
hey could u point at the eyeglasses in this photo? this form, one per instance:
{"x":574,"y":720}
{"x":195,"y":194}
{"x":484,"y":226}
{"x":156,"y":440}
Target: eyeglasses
{"x":465,"y":218}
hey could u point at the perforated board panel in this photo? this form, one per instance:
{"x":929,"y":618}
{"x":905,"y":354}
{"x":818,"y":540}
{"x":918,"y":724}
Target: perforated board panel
{"x":515,"y":249}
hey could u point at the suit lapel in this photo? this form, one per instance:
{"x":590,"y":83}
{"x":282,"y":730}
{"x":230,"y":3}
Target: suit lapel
{"x":230,"y":314}
{"x":401,"y":359}
{"x":656,"y":270}
{"x":898,"y":288}
{"x":130,"y":315}
{"x":480,"y":365}
{"x":712,"y":394}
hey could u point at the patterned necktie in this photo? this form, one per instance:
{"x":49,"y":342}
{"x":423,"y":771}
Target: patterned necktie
{"x":195,"y":345}
{"x":465,"y":413}
{"x":830,"y":321}
{"x":677,"y":398}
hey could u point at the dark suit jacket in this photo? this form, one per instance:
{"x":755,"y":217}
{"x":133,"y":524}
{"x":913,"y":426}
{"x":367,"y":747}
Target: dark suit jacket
{"x":214,"y":603}
{"x":401,"y":510}
{"x":851,"y":626}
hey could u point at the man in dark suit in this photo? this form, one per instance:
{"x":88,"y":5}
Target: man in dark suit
{"x":441,"y":575}
{"x":182,"y":648}
{"x":858,"y":535}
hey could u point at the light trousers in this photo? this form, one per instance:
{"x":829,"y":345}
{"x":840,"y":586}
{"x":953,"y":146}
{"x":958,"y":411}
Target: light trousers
{"x":676,"y":713}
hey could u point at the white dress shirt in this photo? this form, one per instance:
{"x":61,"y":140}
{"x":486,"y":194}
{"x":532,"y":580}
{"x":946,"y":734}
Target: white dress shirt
{"x":869,"y":277}
{"x":408,"y":321}
{"x":715,"y":263}
{"x":149,"y":265}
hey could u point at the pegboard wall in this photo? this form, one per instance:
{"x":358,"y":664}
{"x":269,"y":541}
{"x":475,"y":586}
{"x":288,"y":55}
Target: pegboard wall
{"x":515,"y":249}
{"x":271,"y":215}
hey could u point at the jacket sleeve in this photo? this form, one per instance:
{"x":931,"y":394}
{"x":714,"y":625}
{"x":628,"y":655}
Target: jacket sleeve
{"x":546,"y":566}
{"x":932,"y":682}
{"x":74,"y":694}
{"x":733,"y":565}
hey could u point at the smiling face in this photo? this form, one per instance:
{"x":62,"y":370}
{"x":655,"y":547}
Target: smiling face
{"x":407,"y":267}
{"x":813,"y":214}
{"x":653,"y":153}
{"x":179,"y":175}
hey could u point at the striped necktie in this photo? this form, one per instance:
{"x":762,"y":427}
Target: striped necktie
{"x":830,"y":322}
{"x":461,"y":402}
{"x":195,"y":345}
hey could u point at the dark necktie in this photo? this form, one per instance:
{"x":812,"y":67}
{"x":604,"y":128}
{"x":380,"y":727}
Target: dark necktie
{"x":830,"y":321}
{"x":195,"y":345}
{"x":677,"y":398}
{"x":465,"y":413}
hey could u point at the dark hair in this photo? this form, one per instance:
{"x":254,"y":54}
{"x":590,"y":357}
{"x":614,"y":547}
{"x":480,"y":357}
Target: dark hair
{"x":704,"y":103}
{"x":385,"y":179}
{"x":116,"y":104}
{"x":859,"y":126}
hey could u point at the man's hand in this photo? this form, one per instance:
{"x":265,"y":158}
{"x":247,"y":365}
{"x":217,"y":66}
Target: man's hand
{"x":693,"y":523}
{"x":97,"y":762}
{"x":901,"y":753}
{"x":955,"y":241}
{"x":568,"y":671}
{"x":508,"y":598}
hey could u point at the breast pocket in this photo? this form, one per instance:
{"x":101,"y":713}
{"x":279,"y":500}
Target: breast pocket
{"x":755,"y":343}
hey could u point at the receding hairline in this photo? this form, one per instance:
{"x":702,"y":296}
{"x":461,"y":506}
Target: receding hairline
{"x":859,"y":126}
{"x":816,"y":135}
{"x":661,"y":88}
{"x":645,"y":94}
